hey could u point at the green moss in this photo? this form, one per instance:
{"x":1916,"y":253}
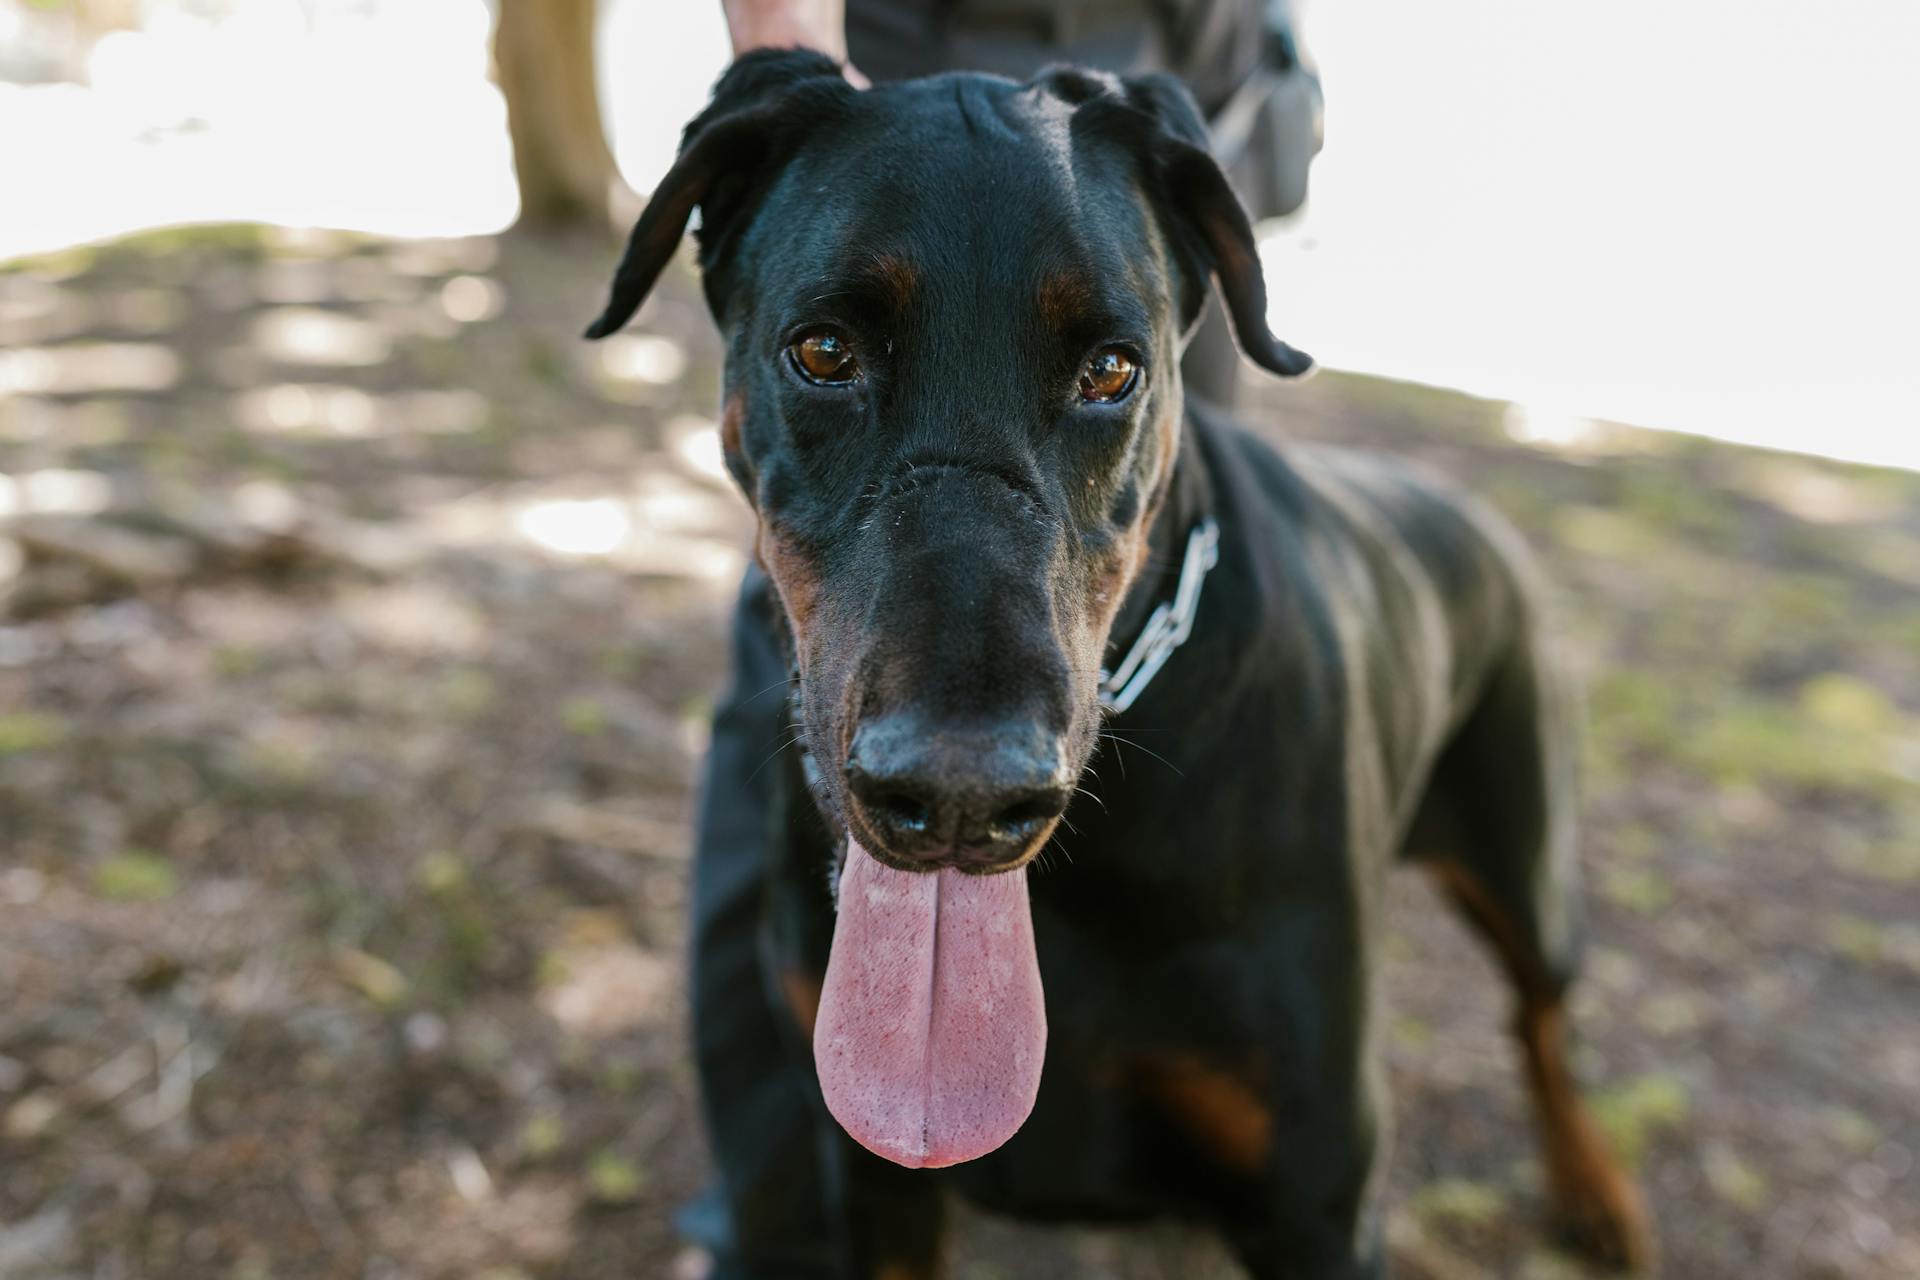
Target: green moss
{"x":543,"y":1136}
{"x":1633,"y":1113}
{"x":23,"y":731}
{"x":1896,"y":861}
{"x":1611,"y":535}
{"x":441,"y":873}
{"x":1807,"y":603}
{"x":1520,"y":500}
{"x":1458,"y":1200}
{"x":234,"y":662}
{"x":61,"y":264}
{"x":1847,"y":704}
{"x":1838,"y":735}
{"x":544,"y":363}
{"x":622,"y":1077}
{"x":1632,"y":708}
{"x":371,"y":976}
{"x":229,"y":239}
{"x":1636,"y":888}
{"x":583,"y":716}
{"x":467,"y":692}
{"x":614,"y":1179}
{"x":1849,"y":1130}
{"x":1733,"y":1179}
{"x":1676,"y":502}
{"x":1545,"y":1264}
{"x":1858,"y":940}
{"x":135,"y":876}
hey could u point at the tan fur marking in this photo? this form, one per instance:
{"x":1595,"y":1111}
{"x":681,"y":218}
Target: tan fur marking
{"x":802,"y":992}
{"x":1597,"y":1201}
{"x":731,"y":415}
{"x":1501,"y":929}
{"x":1063,"y":298}
{"x":894,"y":276}
{"x":1219,"y":1110}
{"x":793,"y":575}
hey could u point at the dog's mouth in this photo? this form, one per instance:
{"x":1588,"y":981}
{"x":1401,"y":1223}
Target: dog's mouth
{"x":932,"y":1028}
{"x":965,"y":860}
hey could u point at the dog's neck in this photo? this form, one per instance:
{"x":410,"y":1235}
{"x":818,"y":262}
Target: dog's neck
{"x":1189,"y":500}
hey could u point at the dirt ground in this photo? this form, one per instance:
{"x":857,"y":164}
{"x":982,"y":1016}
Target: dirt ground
{"x":358,"y":626}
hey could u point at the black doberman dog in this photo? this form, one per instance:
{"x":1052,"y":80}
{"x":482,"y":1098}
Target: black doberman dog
{"x":954,"y":310}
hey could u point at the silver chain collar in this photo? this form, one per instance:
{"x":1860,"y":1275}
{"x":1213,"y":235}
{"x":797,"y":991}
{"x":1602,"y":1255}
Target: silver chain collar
{"x":1169,"y":625}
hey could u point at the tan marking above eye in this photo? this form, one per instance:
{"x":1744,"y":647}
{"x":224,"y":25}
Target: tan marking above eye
{"x":824,"y":356}
{"x":1109,"y":376}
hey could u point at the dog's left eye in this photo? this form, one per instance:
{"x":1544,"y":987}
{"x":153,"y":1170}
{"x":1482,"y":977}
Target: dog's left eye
{"x":1109,"y":376}
{"x":824,"y":356}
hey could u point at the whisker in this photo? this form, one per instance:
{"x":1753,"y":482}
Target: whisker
{"x":789,"y":678}
{"x":1178,"y":772}
{"x":771,"y":754}
{"x":1089,"y":795}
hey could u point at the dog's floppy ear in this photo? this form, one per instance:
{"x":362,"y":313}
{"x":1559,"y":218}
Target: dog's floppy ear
{"x":1210,"y":228}
{"x":761,"y":106}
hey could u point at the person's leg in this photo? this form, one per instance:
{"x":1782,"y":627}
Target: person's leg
{"x":1210,"y":369}
{"x":766,"y":1213}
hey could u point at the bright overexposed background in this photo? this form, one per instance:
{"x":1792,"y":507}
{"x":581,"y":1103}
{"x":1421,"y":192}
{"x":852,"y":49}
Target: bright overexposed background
{"x":1698,"y":215}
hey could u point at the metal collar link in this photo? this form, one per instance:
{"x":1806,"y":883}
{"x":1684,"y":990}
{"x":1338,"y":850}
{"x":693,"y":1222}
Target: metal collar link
{"x":1168,"y":627}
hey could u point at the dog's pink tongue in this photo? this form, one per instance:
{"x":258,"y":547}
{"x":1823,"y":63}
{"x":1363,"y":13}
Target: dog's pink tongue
{"x":931,"y":1029}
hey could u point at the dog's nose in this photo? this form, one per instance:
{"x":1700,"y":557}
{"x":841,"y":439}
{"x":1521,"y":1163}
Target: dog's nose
{"x":972,"y":797}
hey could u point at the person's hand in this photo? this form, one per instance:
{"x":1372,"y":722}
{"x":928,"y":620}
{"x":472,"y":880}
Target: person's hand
{"x":788,"y":24}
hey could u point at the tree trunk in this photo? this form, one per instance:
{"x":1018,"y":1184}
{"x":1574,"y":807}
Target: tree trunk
{"x":543,"y":53}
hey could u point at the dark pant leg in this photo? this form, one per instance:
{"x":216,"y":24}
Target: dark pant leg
{"x":1210,"y":369}
{"x":767,"y":1212}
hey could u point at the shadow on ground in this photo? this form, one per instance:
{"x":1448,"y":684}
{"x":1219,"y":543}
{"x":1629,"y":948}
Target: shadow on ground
{"x":357,"y":632}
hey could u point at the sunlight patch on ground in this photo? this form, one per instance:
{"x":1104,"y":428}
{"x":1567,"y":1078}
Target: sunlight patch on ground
{"x":292,"y":408}
{"x":1820,"y":496}
{"x":54,"y":492}
{"x":576,"y":526}
{"x":303,"y":335}
{"x":331,"y":409}
{"x":1549,"y":425}
{"x":81,"y":368}
{"x":470,"y":299}
{"x":661,"y":525}
{"x":696,"y":442}
{"x":266,"y":504}
{"x":414,"y":618}
{"x":642,"y":357}
{"x":608,"y":988}
{"x":36,"y":310}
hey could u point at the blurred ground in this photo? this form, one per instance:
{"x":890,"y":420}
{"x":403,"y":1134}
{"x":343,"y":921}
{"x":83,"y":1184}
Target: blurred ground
{"x":357,"y":628}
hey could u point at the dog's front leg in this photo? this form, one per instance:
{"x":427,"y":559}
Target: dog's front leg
{"x":1314,"y":1211}
{"x":1282,"y":1133}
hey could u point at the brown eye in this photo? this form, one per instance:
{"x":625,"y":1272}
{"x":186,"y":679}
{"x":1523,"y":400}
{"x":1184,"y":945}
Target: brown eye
{"x":1109,"y":376}
{"x":823,"y":356}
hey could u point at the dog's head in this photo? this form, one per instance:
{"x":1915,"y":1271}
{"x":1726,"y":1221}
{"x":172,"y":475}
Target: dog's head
{"x":954,"y":310}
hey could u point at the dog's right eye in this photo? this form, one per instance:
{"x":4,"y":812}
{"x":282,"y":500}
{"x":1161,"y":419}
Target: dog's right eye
{"x":824,"y":357}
